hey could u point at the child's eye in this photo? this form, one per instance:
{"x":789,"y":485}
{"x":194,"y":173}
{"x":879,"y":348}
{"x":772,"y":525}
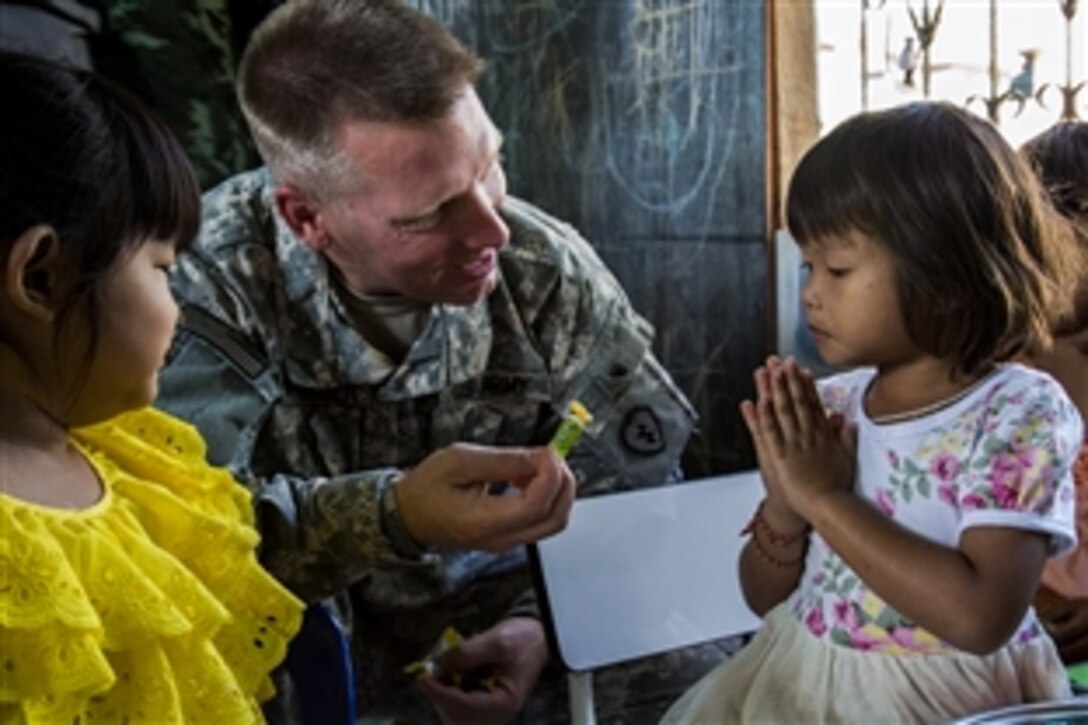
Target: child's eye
{"x":837,"y":271}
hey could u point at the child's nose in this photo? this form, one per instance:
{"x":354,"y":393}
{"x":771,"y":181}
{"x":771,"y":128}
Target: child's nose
{"x":810,"y":296}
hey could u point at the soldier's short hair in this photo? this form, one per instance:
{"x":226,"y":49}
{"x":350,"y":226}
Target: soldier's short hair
{"x":313,"y":65}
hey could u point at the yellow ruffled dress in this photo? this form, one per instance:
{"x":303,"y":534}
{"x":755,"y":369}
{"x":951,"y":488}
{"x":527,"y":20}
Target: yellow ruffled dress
{"x":150,"y":605}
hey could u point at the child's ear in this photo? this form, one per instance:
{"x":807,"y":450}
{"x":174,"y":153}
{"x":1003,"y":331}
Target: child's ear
{"x":33,"y":274}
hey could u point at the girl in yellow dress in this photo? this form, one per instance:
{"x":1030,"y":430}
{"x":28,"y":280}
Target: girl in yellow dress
{"x":129,"y":587}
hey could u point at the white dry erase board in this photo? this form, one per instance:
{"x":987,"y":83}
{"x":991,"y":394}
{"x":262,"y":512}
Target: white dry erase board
{"x":643,"y":572}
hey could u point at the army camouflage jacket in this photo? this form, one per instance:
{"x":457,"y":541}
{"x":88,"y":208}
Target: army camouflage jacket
{"x":298,"y":404}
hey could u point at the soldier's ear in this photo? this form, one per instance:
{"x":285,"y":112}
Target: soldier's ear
{"x":302,"y":216}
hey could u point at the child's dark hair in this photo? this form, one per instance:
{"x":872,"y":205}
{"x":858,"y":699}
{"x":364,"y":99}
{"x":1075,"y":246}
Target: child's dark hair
{"x":1059,"y":156}
{"x":981,"y":269}
{"x":85,"y":157}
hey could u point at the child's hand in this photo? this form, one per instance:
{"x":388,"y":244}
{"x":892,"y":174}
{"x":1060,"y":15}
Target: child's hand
{"x":776,"y":506}
{"x":803,"y":453}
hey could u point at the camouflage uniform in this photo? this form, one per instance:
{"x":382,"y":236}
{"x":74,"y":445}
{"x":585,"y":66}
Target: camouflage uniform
{"x":292,"y":398}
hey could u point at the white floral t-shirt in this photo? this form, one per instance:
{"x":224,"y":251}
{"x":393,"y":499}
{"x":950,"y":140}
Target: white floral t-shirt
{"x":1001,"y":456}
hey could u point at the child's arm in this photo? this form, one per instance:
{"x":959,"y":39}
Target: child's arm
{"x":773,"y":559}
{"x":973,"y":596}
{"x":771,"y":567}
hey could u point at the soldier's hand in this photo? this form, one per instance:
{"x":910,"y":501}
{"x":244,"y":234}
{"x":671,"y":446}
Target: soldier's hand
{"x":449,"y":500}
{"x":497,"y":670}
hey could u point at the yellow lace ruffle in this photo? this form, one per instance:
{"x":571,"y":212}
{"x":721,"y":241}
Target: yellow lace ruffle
{"x":149,"y":606}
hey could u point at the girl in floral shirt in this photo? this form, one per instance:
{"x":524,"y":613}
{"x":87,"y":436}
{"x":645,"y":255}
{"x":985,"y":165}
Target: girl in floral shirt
{"x":912,"y":502}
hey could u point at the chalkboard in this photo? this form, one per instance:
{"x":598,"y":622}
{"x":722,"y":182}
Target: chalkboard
{"x":642,"y":122}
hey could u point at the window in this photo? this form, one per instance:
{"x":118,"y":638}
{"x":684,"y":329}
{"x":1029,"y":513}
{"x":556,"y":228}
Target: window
{"x":1004,"y":59}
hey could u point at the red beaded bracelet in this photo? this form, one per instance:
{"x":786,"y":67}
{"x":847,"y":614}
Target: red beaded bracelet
{"x":774,"y":560}
{"x":776,"y":538}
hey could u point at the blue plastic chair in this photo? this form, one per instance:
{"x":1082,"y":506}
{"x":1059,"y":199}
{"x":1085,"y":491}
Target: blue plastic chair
{"x":320,"y":666}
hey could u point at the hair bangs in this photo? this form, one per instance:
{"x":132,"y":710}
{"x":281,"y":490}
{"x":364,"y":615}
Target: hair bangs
{"x":156,"y":194}
{"x":828,"y":195}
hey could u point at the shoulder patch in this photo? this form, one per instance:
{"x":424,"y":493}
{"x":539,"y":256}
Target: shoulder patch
{"x":641,"y":432}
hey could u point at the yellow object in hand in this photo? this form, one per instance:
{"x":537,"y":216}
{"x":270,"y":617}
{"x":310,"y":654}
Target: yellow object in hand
{"x":570,"y":429}
{"x":429,"y":667}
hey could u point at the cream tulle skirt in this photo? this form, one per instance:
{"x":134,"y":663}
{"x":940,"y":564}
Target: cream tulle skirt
{"x":786,"y":675}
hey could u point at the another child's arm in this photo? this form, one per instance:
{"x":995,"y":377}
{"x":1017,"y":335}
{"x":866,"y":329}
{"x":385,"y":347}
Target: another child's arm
{"x":973,"y":597}
{"x":1067,"y":622}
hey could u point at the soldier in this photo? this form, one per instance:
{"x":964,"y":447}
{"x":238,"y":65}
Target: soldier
{"x":374,"y":295}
